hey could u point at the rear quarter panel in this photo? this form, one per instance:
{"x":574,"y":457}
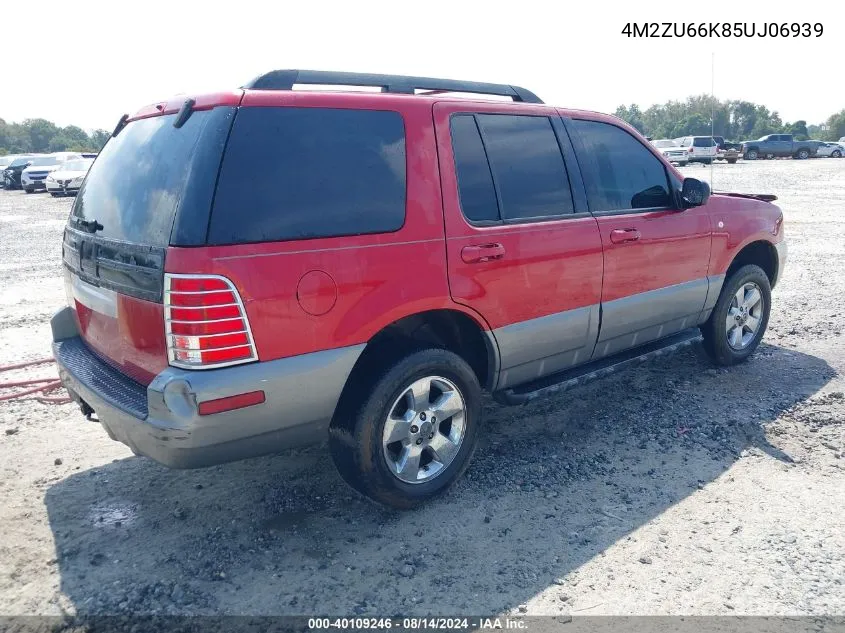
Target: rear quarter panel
{"x":363,"y":282}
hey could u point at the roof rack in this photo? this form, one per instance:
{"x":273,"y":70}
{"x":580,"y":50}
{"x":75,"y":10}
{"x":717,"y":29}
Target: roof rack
{"x":401,"y":84}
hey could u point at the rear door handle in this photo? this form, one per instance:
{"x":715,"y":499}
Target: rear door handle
{"x":482,"y":253}
{"x":620,"y":236}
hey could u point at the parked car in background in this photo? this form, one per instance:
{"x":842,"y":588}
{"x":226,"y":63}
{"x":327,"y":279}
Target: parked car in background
{"x":833,"y":150}
{"x":726,"y":150}
{"x":673,"y":152}
{"x":12,"y":173}
{"x":5,"y":161}
{"x":34,"y":177}
{"x":841,"y":140}
{"x":67,"y":179}
{"x":700,"y":149}
{"x":221,"y":304}
{"x":778,"y":146}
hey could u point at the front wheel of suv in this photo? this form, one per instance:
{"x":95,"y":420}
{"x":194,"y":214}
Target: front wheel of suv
{"x":414,"y":432}
{"x":740,"y":317}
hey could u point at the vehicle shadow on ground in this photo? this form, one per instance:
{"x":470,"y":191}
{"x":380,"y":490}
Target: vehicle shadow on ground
{"x":552,"y":485}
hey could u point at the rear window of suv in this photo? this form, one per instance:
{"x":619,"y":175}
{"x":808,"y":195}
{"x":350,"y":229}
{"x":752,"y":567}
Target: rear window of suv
{"x":703,"y":142}
{"x":298,"y":173}
{"x":149,"y":172}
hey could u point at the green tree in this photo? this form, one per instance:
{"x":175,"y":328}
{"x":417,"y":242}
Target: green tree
{"x":98,"y":139}
{"x":632,"y":116}
{"x":835,"y":126}
{"x":798,"y":130}
{"x":40,"y":132}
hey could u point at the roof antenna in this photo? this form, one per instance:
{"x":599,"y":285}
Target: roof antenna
{"x":712,"y":113}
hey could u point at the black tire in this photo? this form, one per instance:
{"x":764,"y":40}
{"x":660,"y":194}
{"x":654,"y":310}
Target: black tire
{"x":356,"y":447}
{"x":802,"y":154}
{"x":714,"y":329}
{"x":29,"y":190}
{"x":731,"y":161}
{"x":751,"y":154}
{"x":836,"y":154}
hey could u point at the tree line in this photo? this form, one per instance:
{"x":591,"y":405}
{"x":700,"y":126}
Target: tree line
{"x":39,"y":136}
{"x":735,"y":120}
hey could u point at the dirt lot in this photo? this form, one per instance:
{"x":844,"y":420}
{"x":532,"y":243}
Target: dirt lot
{"x":675,"y":488}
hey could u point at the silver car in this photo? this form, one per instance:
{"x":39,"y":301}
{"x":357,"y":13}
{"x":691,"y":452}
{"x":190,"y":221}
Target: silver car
{"x":34,"y":177}
{"x":673,"y":152}
{"x":834,"y":150}
{"x":67,"y":179}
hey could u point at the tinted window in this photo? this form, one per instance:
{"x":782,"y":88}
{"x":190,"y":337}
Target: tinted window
{"x":704,"y":142}
{"x":295,"y":173}
{"x":527,"y":166}
{"x":620,"y":173}
{"x":475,"y":183}
{"x":145,"y":173}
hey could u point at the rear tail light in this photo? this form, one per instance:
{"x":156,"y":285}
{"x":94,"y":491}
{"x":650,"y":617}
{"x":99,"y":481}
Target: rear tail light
{"x":205,"y":323}
{"x":690,"y":149}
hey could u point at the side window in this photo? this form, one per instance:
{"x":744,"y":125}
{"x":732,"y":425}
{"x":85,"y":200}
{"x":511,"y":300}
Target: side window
{"x":527,"y":165}
{"x":620,"y":173}
{"x":298,"y":173}
{"x":475,"y":182}
{"x":521,"y":155}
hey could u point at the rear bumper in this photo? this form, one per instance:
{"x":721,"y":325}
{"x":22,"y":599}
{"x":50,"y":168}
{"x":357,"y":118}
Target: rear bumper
{"x":161,"y":420}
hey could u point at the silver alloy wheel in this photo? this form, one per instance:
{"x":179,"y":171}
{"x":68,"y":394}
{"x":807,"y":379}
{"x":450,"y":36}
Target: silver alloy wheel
{"x":744,"y":315}
{"x":424,"y":429}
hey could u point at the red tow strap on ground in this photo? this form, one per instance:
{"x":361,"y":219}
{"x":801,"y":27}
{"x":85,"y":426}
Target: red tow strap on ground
{"x":39,"y":393}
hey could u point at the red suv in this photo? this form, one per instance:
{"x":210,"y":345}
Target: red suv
{"x":252,"y":270}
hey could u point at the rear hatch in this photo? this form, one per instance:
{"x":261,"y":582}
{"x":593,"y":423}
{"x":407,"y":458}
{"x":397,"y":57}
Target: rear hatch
{"x":151,"y":186}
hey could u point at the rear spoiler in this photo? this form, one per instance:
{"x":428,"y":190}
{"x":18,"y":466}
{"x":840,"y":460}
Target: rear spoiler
{"x":765,"y":197}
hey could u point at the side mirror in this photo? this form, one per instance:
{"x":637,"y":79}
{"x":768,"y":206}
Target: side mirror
{"x":694,"y":192}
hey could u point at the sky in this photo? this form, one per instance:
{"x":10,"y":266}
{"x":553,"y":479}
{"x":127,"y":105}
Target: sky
{"x":98,"y":61}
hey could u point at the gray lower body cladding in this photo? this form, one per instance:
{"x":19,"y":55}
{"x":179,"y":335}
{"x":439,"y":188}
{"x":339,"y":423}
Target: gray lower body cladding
{"x":539,"y":347}
{"x":161,"y":420}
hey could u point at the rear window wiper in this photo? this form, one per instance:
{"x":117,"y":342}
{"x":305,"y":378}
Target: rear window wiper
{"x":90,"y":226}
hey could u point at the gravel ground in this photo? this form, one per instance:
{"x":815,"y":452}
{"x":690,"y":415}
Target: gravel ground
{"x":675,"y":488}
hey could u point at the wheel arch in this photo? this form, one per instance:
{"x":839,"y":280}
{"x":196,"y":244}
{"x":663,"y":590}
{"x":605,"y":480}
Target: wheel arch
{"x":446,"y":328}
{"x":759,"y":252}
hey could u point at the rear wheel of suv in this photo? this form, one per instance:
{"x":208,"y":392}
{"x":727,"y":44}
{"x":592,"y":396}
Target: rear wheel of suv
{"x":740,"y":317}
{"x":414,"y":432}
